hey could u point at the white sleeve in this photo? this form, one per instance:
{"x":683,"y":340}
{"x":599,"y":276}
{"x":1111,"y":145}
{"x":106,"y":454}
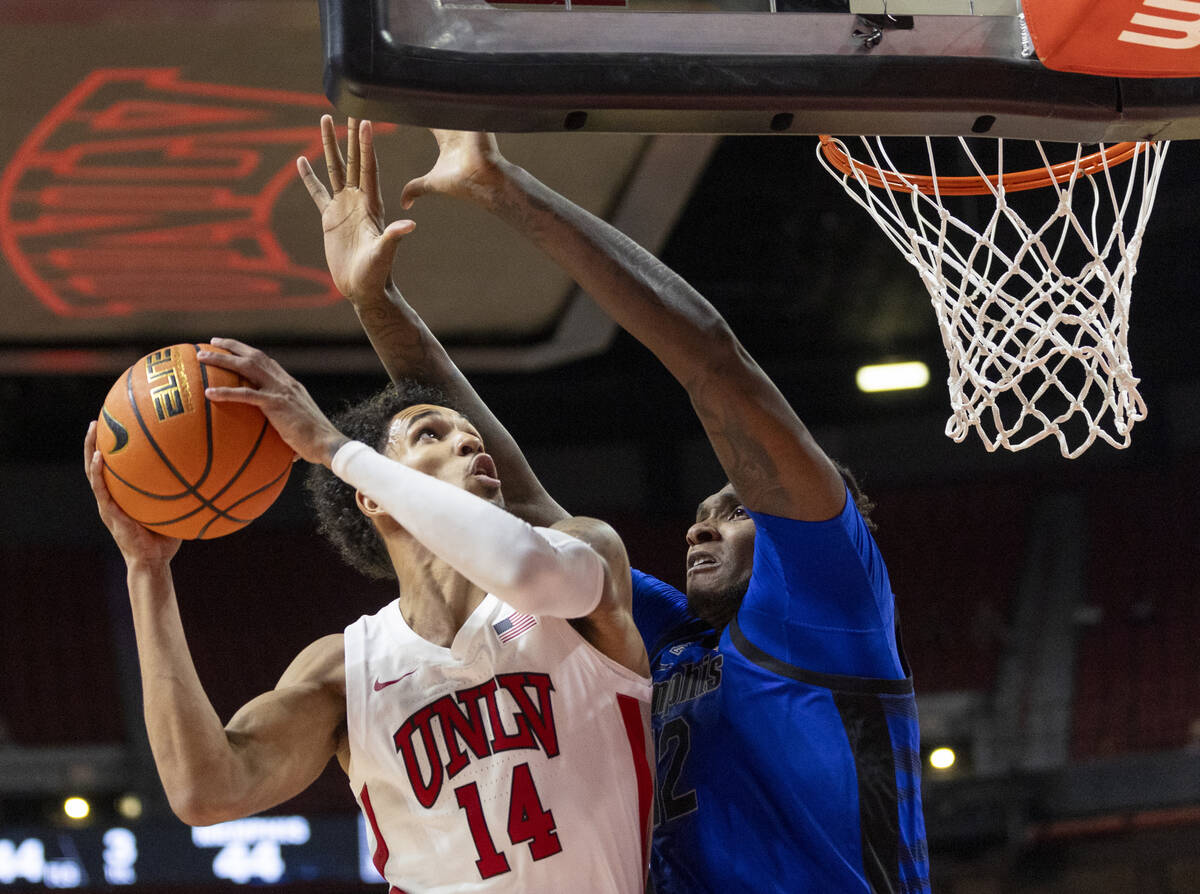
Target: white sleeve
{"x":539,"y":571}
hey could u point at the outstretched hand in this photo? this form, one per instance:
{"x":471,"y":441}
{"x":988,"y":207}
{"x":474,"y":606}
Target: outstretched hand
{"x":283,"y":400}
{"x":137,"y":543}
{"x":469,"y":166}
{"x":359,"y":248}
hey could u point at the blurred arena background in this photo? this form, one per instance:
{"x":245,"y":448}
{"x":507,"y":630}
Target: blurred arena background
{"x":1051,"y":608}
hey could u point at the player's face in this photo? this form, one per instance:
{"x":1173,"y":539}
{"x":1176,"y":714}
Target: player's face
{"x":720,"y":557}
{"x":442,"y":443}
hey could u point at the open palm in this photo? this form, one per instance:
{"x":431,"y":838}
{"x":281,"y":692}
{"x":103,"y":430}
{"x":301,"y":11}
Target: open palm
{"x":359,"y":248}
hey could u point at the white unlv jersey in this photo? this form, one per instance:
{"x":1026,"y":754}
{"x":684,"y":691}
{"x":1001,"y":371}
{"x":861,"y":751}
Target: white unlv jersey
{"x":518,"y":759}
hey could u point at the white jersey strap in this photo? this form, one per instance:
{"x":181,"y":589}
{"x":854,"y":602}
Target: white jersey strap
{"x":539,"y":571}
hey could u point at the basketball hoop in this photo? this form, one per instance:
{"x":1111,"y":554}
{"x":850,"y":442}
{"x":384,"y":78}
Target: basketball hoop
{"x":1032,"y":297}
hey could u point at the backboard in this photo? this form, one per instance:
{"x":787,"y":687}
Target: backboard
{"x":939,"y":67}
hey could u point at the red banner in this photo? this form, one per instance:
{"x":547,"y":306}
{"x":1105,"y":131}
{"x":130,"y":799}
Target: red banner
{"x":1117,"y":38}
{"x":142,"y":192}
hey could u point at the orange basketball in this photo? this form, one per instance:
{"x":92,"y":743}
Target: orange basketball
{"x":179,"y":464}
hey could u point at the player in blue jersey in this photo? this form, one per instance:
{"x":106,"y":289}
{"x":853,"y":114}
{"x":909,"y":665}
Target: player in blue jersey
{"x":784,"y":717}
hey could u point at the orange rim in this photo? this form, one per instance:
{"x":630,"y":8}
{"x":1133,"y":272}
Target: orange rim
{"x":1015,"y":181}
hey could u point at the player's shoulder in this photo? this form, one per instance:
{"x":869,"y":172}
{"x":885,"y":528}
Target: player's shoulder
{"x":688,"y":646}
{"x":607,"y":544}
{"x":650,"y":588}
{"x":787,"y":534}
{"x":322,"y":662}
{"x":598,"y":534}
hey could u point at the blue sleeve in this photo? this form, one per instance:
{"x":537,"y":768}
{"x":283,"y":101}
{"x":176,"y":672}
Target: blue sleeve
{"x":820,"y":598}
{"x":660,"y":612}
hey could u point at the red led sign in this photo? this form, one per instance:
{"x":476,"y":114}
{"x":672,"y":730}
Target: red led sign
{"x":143,"y":192}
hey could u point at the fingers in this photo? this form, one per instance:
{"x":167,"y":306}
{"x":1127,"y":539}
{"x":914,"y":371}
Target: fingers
{"x":93,"y":466}
{"x":368,"y":162}
{"x":96,"y":479}
{"x":233,"y":346}
{"x":394,"y":232}
{"x":134,"y":540}
{"x":333,"y":154}
{"x":89,"y":448}
{"x":413,"y":190}
{"x":384,"y":250}
{"x":312,"y":183}
{"x":237,"y":395}
{"x":352,"y":165}
{"x":250,"y":363}
{"x":266,"y":379}
{"x":359,"y":169}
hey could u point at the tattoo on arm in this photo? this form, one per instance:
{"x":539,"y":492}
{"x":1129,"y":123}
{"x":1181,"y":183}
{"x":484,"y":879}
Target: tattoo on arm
{"x":745,"y":458}
{"x":401,"y":345}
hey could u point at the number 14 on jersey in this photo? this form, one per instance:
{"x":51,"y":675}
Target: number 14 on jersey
{"x":528,"y":821}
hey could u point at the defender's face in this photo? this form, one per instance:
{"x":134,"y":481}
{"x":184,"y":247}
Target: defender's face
{"x":720,"y":557}
{"x":442,"y":443}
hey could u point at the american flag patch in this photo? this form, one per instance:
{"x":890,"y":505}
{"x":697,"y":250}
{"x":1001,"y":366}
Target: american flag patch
{"x":514,"y":625}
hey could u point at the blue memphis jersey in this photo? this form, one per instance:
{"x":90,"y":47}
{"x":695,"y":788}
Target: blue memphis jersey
{"x":787,"y":744}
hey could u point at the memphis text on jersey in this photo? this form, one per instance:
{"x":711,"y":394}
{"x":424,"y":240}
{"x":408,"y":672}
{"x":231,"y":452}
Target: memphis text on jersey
{"x":687,"y":682}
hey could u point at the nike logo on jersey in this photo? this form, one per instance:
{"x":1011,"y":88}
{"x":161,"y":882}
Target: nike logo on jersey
{"x":384,"y":685}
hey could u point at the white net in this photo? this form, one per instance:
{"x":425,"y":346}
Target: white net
{"x":1031,"y":286}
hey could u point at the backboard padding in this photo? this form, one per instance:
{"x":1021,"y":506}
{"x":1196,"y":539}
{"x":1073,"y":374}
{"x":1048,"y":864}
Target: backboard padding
{"x":485,"y":67}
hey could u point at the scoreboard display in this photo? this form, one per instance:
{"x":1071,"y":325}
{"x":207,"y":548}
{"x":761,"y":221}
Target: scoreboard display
{"x":253,"y":851}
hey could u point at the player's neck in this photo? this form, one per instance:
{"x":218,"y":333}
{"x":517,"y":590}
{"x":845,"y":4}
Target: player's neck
{"x":434,"y":598}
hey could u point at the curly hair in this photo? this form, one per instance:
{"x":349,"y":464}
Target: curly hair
{"x":338,"y":517}
{"x":864,"y":503}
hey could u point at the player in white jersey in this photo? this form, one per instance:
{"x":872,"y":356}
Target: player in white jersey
{"x":493,"y":719}
{"x":485,"y":732}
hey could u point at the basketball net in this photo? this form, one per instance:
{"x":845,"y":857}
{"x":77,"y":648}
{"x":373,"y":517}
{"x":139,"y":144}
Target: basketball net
{"x":1034,"y":314}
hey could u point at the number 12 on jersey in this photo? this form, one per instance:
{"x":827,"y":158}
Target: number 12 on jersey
{"x":527,"y":821}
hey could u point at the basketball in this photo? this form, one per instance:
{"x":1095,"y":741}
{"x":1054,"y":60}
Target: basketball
{"x":179,"y":464}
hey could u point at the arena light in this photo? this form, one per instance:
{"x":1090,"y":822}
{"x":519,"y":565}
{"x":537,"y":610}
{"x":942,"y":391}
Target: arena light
{"x":942,"y":758}
{"x":76,"y":808}
{"x":129,"y":806}
{"x":892,"y":376}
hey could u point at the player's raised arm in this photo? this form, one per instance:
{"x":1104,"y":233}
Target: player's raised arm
{"x":768,"y":454}
{"x":272,"y":749}
{"x":359,"y":249}
{"x":576,"y":570}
